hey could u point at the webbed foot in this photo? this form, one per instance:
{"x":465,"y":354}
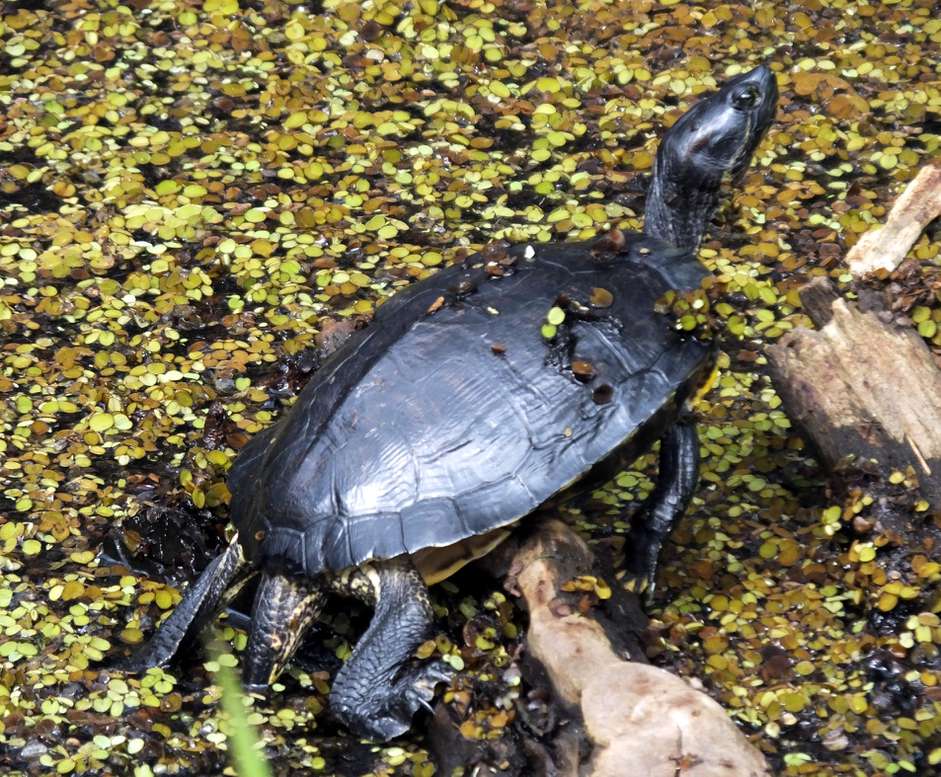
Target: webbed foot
{"x":385,"y":714}
{"x":640,"y":564}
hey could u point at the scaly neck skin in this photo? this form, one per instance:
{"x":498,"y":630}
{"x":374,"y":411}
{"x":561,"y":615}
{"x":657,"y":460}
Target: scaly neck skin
{"x":677,"y":212}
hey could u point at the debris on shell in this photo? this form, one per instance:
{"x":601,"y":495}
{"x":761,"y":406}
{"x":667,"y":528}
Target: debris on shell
{"x":601,"y":298}
{"x":610,"y":243}
{"x":583,"y":370}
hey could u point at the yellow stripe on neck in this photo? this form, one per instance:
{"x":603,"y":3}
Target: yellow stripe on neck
{"x":706,"y":386}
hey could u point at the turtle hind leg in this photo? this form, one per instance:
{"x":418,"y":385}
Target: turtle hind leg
{"x":283,"y":609}
{"x":222,"y":578}
{"x":676,"y":483}
{"x":378,"y":690}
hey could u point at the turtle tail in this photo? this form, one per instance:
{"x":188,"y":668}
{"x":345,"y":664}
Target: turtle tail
{"x":218,"y":582}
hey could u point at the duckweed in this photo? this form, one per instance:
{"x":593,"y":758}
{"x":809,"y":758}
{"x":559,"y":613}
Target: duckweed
{"x":192,"y":191}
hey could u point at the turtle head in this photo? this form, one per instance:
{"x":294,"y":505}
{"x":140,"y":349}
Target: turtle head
{"x":711,"y":143}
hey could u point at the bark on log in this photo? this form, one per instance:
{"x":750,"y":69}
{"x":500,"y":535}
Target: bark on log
{"x":639,"y":719}
{"x":885,"y":248}
{"x":861,"y":389}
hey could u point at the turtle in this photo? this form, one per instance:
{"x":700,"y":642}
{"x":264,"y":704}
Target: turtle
{"x":521,"y":375}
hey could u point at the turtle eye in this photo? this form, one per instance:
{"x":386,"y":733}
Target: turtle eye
{"x":747,"y":98}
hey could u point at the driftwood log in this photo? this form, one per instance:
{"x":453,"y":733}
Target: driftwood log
{"x":862,"y":389}
{"x":866,"y":392}
{"x":638,"y":719}
{"x":885,"y":248}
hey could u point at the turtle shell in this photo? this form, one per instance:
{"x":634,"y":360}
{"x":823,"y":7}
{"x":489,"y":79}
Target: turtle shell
{"x":453,"y":414}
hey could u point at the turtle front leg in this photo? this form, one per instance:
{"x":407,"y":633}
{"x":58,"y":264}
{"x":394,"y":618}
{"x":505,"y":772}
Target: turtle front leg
{"x":219,"y":582}
{"x":283,"y":609}
{"x":676,"y":483}
{"x":378,"y":690}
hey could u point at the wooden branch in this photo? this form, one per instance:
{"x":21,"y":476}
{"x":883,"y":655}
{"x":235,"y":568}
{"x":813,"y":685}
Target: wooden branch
{"x":861,"y":389}
{"x":885,"y":248}
{"x":639,"y":719}
{"x":817,"y":298}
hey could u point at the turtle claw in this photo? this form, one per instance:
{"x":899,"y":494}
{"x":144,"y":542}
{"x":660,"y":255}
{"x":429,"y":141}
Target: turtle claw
{"x":389,"y":717}
{"x":417,"y":688}
{"x":144,"y":657}
{"x":641,"y":565}
{"x":257,"y":690}
{"x":641,"y":586}
{"x":423,"y":681}
{"x":132,"y":664}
